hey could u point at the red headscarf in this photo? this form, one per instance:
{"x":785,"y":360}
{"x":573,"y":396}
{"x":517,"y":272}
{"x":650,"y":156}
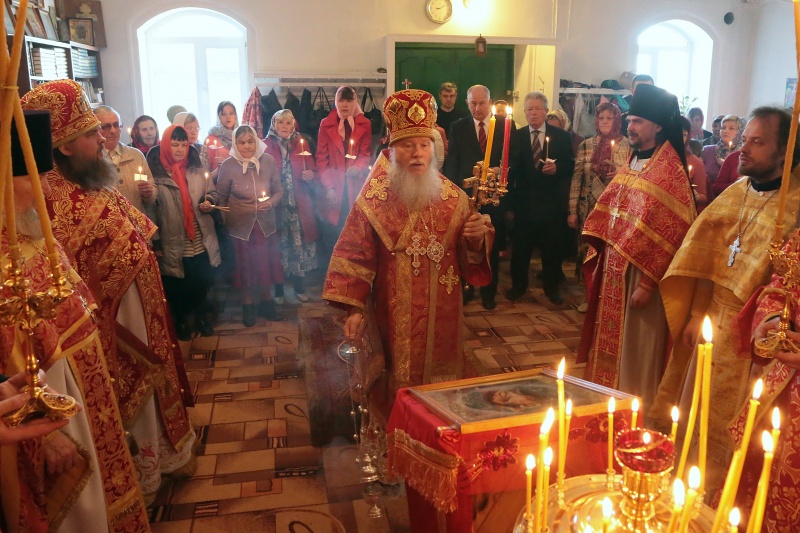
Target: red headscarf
{"x":601,"y":155}
{"x":178,"y":170}
{"x":136,"y":137}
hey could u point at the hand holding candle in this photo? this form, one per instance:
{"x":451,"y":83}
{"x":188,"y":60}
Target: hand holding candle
{"x":263,"y":197}
{"x":138,"y":176}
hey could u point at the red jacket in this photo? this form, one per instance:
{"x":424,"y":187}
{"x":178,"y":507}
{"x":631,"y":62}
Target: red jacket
{"x":302,"y":188}
{"x":728,"y":173}
{"x":332,"y":163}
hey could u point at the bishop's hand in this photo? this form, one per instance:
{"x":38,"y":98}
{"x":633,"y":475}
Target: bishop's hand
{"x":790,"y":359}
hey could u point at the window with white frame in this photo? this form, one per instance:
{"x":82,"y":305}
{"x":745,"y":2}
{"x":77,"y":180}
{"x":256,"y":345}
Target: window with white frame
{"x":195,"y":58}
{"x":678,"y":54}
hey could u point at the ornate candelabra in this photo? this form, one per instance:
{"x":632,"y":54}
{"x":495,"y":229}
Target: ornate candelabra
{"x":487,"y":186}
{"x":20,"y":305}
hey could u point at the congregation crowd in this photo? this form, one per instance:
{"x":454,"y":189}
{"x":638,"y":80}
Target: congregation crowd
{"x":653,"y":206}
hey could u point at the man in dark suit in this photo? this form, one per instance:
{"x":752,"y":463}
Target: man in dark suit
{"x":541,"y":164}
{"x":467,"y":146}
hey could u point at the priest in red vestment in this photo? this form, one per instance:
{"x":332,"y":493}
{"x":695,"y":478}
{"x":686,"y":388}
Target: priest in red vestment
{"x":634,"y":231}
{"x":408,"y":240}
{"x":108,"y":242}
{"x":782,"y":390}
{"x":81,"y":477}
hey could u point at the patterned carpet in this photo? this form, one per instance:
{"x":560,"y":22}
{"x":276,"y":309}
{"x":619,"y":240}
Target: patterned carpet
{"x":258,"y":469}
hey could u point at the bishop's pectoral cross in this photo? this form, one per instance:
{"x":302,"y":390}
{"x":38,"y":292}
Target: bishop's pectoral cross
{"x":415,"y":250}
{"x":734,"y":248}
{"x":407,"y":83}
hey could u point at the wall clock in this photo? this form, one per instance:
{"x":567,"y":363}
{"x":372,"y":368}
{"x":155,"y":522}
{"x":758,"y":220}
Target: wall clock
{"x":439,"y":11}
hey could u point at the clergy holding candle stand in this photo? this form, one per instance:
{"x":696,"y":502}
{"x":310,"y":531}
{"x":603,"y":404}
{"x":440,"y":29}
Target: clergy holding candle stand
{"x":467,"y":145}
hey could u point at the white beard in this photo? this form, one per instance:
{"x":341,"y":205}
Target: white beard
{"x":414,"y":191}
{"x":29,"y":224}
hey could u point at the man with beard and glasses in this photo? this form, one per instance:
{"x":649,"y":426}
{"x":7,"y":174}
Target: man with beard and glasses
{"x":107,"y":240}
{"x":81,"y":477}
{"x":397,"y":266}
{"x":633,"y":232}
{"x":722,"y":261}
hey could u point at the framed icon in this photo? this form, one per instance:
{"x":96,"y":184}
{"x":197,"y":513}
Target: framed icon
{"x":81,"y":31}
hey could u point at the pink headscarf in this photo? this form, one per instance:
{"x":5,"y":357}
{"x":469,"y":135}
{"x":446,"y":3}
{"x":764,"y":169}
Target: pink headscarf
{"x":357,"y":111}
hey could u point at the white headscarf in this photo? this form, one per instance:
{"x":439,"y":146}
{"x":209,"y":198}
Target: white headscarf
{"x":180,"y":118}
{"x":260,"y":148}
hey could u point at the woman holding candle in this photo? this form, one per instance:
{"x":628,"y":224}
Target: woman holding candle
{"x":297,"y":228}
{"x":249,"y":184}
{"x":730,"y":141}
{"x":697,"y":170}
{"x":186,"y":245}
{"x":343,"y":158}
{"x":220,"y":137}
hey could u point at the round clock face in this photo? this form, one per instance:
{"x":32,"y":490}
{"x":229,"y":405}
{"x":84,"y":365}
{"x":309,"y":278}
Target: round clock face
{"x":439,"y":11}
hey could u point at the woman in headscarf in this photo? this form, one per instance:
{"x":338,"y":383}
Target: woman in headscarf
{"x":297,"y":228}
{"x":249,"y":185}
{"x":730,"y":140}
{"x":559,"y":119}
{"x":186,"y":244}
{"x":144,"y":134}
{"x":599,"y":158}
{"x":220,"y":137}
{"x":343,"y":158}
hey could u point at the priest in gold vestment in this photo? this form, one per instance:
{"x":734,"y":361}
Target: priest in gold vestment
{"x":408,"y":240}
{"x":634,"y":231}
{"x":723,"y":259}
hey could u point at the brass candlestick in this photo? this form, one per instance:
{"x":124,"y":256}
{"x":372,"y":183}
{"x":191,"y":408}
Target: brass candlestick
{"x":787,"y":266}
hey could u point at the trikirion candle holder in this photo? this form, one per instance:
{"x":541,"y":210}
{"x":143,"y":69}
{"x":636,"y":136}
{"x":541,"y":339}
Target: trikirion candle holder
{"x":487,"y":186}
{"x":787,"y":267}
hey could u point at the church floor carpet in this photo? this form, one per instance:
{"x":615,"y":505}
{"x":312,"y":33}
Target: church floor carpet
{"x":255,"y":388}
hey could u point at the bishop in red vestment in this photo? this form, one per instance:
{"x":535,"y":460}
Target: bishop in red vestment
{"x":409,"y":238}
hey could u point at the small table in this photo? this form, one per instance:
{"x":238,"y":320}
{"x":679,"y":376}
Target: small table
{"x":452,"y":441}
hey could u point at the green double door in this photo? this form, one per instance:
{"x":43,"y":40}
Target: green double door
{"x":428,"y":65}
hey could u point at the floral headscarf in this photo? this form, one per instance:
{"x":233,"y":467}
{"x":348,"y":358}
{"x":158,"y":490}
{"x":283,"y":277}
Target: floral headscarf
{"x":601,"y":155}
{"x":136,"y":137}
{"x":260,"y":148}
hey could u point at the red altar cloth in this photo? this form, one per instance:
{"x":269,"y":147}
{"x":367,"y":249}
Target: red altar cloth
{"x":444,"y":468}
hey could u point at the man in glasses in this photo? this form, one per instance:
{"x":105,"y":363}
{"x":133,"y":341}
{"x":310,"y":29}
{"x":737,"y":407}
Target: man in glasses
{"x":129,"y":162}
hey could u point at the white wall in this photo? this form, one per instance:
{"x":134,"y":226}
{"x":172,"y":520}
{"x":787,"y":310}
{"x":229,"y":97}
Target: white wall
{"x":774,"y":57}
{"x":596,"y":39}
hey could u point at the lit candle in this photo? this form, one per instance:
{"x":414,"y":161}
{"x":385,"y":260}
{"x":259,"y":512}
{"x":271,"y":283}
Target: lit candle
{"x":562,"y":426}
{"x":691,"y":497}
{"x":489,"y":141}
{"x":264,"y":197}
{"x":352,"y":144}
{"x":504,"y":162}
{"x":607,"y":512}
{"x":547,"y":152}
{"x":634,"y":413}
{"x":611,"y":406}
{"x":530,"y":464}
{"x":129,"y":132}
{"x":733,"y":520}
{"x":612,"y":145}
{"x":544,"y":435}
{"x":678,"y":497}
{"x":760,"y":502}
{"x":673,"y":434}
{"x":705,"y":399}
{"x":730,"y":145}
{"x":751,"y":414}
{"x":687,"y":438}
{"x":548,"y":460}
{"x":690,"y":171}
{"x":303,"y":152}
{"x":206,"y":176}
{"x":776,"y":426}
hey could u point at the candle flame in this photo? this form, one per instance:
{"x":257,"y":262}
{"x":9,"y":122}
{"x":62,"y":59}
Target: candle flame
{"x":646,"y":437}
{"x":530,"y":462}
{"x":569,"y":407}
{"x":548,"y":421}
{"x":735,"y":516}
{"x":206,"y":175}
{"x":690,"y":168}
{"x":302,"y":141}
{"x":694,"y":478}
{"x":611,"y":405}
{"x":767,"y":442}
{"x":548,"y":456}
{"x":140,"y":170}
{"x":707,"y":329}
{"x":635,"y":405}
{"x":678,"y":493}
{"x":351,"y":142}
{"x":776,"y":418}
{"x":561,"y":366}
{"x":758,"y":389}
{"x":547,"y":139}
{"x":508,"y":110}
{"x":494,"y":110}
{"x":612,"y":144}
{"x":675,"y":413}
{"x":607,"y":509}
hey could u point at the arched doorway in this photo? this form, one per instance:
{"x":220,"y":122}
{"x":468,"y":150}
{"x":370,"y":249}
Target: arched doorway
{"x":678,"y":55}
{"x":195,"y":58}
